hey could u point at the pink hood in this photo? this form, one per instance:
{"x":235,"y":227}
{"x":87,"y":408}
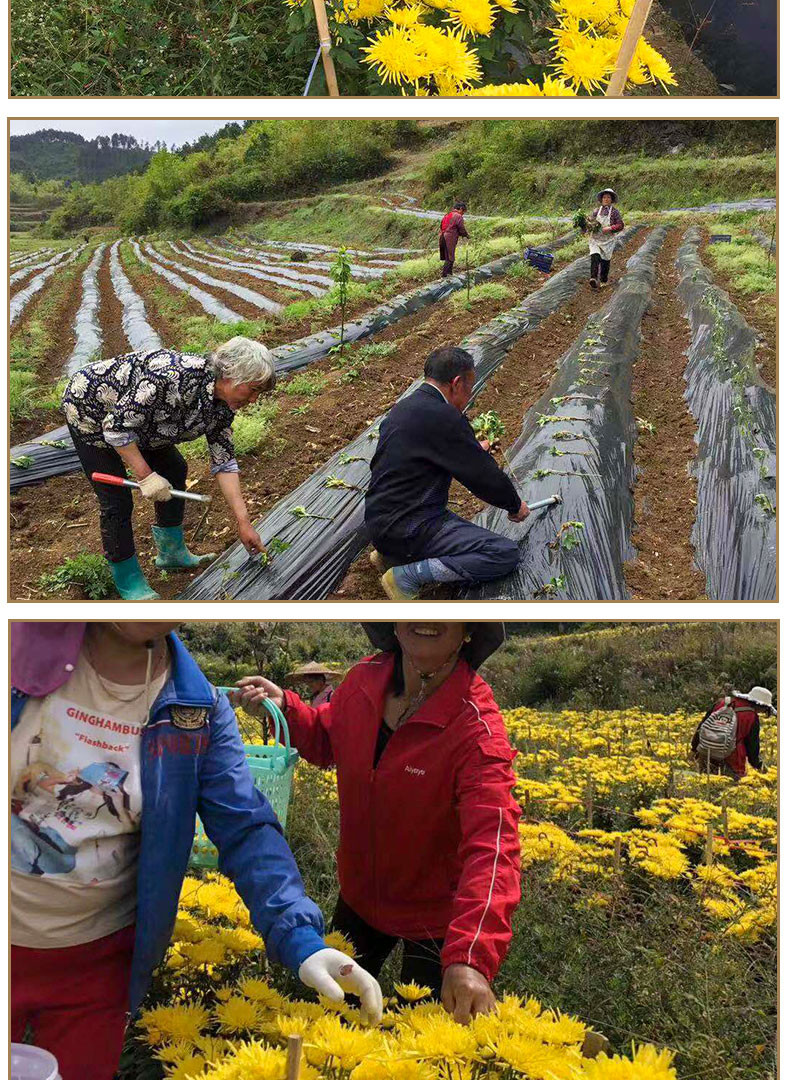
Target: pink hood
{"x":43,"y":655}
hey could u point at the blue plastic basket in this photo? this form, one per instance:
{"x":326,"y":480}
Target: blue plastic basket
{"x":272,"y":769}
{"x":540,"y":258}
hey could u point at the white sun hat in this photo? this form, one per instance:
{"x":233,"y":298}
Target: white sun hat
{"x":760,"y":696}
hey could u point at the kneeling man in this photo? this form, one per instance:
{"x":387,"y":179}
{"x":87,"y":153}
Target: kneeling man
{"x":426,"y":442}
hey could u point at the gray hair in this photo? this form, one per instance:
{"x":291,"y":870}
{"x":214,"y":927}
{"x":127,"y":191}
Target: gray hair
{"x":243,"y":360}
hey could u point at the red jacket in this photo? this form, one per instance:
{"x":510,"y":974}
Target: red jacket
{"x":748,"y":735}
{"x":429,"y":842}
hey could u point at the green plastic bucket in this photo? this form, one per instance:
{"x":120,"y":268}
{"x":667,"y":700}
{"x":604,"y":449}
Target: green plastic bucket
{"x":272,"y":769}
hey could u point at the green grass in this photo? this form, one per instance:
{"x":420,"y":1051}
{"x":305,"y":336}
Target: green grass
{"x":491,"y":290}
{"x":252,"y":428}
{"x":749,"y":267}
{"x":303,"y":384}
{"x":375,"y":348}
{"x":22,"y":394}
{"x":132,"y":48}
{"x":88,"y":572}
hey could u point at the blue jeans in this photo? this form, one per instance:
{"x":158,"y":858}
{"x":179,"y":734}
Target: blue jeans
{"x":471,"y":552}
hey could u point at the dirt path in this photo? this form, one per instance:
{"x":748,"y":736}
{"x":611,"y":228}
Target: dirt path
{"x":759,"y":311}
{"x":58,"y":327}
{"x":114,"y":341}
{"x":514,"y":387}
{"x":665,"y":496}
{"x":307,"y":431}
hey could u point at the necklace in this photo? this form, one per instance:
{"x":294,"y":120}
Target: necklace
{"x":419,"y":699}
{"x":110,"y":688}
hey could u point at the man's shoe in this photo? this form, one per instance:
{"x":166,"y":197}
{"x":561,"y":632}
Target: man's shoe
{"x":173,"y":554}
{"x":393,"y":590}
{"x":593,"y":283}
{"x":130,"y":580}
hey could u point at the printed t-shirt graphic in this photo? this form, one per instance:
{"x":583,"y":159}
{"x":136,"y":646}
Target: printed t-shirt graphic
{"x":75,"y":799}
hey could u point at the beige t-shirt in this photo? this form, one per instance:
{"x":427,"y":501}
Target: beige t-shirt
{"x":76,"y":804}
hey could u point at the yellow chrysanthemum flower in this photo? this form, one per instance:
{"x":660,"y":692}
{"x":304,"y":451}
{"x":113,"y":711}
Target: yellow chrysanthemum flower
{"x":472,"y":17}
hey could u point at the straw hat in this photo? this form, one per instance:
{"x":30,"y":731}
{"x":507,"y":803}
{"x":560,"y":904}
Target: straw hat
{"x":312,"y":668}
{"x":608,"y":191}
{"x":759,"y":695}
{"x":486,"y":637}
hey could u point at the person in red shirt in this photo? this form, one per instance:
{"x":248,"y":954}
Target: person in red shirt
{"x":748,"y":709}
{"x":451,"y":230}
{"x":429,"y":845}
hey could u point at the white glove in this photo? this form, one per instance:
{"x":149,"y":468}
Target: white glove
{"x":155,"y":487}
{"x":331,"y":972}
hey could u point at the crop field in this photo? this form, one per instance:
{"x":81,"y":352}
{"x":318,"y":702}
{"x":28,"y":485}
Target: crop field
{"x":648,"y":915}
{"x":629,"y":403}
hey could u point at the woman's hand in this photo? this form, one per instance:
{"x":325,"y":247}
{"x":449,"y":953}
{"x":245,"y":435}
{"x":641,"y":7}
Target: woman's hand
{"x":332,"y":973}
{"x":606,"y":228}
{"x":250,"y":539}
{"x":253,"y":690}
{"x":466,"y":993}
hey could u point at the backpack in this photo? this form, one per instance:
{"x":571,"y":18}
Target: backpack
{"x":718,"y":733}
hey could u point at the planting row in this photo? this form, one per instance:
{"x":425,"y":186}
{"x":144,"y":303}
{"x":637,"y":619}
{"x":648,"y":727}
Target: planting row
{"x":735,"y":530}
{"x":314,"y":535}
{"x":52,"y":454}
{"x":577,"y":443}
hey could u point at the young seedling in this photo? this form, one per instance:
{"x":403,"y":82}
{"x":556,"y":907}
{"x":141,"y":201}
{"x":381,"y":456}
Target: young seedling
{"x":570,"y":453}
{"x":340,"y":272}
{"x":57,"y":444}
{"x":489,"y":426}
{"x":544,"y":419}
{"x":645,"y":425}
{"x":346,"y":459}
{"x":761,"y":454}
{"x":570,"y":535}
{"x":569,"y":436}
{"x":552,"y":587}
{"x":765,"y":504}
{"x":338,"y":482}
{"x":24,"y":461}
{"x":303,"y":512}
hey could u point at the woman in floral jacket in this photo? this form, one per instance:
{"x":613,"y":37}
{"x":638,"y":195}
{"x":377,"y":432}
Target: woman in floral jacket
{"x":128,"y":413}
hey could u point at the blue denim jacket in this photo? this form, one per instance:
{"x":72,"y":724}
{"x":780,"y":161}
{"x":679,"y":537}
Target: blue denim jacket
{"x":204,"y":771}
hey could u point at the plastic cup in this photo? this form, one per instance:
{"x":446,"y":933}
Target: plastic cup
{"x":32,"y":1063}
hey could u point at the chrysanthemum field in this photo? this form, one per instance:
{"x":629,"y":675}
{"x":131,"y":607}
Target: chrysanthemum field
{"x":649,"y":899}
{"x":467,"y":47}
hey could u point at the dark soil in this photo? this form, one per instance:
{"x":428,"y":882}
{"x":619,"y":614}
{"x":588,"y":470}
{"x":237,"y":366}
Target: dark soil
{"x":759,"y":311}
{"x":511,"y":391}
{"x":110,"y":313}
{"x":665,"y":496}
{"x":41,"y":515}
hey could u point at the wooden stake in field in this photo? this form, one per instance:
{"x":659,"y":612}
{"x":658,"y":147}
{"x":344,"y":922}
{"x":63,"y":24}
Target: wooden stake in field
{"x":633,"y":32}
{"x":709,"y":846}
{"x":294,"y":1056}
{"x":325,"y":41}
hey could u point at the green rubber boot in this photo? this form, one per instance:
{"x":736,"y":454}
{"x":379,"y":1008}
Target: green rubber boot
{"x":130,"y":580}
{"x":173,"y":552}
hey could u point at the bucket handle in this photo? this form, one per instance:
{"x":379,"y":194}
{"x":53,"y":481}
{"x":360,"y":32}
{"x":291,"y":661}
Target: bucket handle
{"x":279,"y":722}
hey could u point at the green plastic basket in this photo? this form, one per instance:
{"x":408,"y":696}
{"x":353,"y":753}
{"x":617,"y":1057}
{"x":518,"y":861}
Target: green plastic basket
{"x":272,"y":769}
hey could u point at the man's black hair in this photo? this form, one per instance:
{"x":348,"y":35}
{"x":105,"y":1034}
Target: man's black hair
{"x":447,"y":363}
{"x":460,"y":206}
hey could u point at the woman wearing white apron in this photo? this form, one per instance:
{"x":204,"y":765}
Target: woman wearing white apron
{"x":602,"y":241}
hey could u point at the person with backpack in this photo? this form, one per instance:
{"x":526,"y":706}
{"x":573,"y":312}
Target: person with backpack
{"x":451,"y":229}
{"x":729,"y":734}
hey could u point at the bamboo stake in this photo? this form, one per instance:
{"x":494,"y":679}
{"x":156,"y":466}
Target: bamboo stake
{"x":633,"y":32}
{"x":322,"y":22}
{"x":294,"y":1056}
{"x":709,"y":846}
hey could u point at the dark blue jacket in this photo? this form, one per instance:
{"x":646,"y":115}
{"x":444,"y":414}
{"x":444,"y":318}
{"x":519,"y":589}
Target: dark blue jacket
{"x":204,"y":771}
{"x":424,"y":444}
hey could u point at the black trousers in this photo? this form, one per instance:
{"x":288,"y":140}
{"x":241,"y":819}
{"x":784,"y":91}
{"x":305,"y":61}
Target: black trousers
{"x":447,"y":268}
{"x":599,"y":268}
{"x":422,"y":962}
{"x":116,"y":503}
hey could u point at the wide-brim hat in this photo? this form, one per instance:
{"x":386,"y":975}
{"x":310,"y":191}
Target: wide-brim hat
{"x":607,"y":191}
{"x":485,"y":639}
{"x":759,"y":695}
{"x":312,"y":668}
